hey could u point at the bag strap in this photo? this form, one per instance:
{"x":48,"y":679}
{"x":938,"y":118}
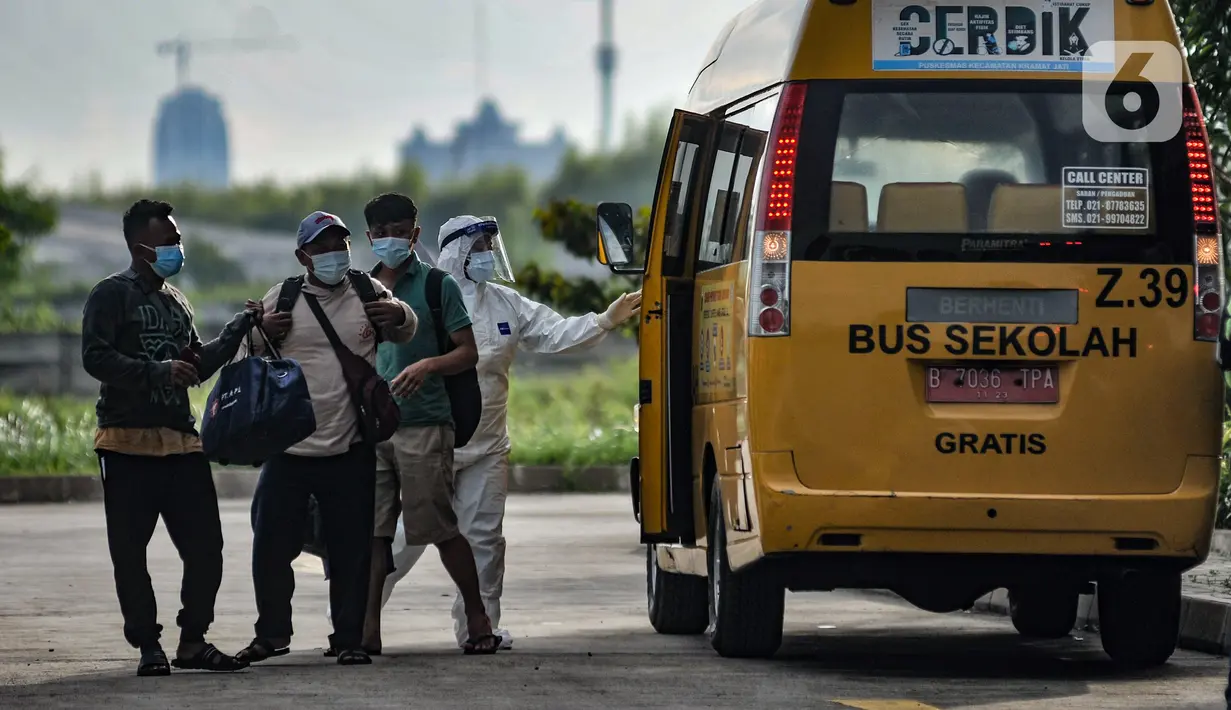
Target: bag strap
{"x":434,"y":291}
{"x":269,"y":342}
{"x":362,"y":283}
{"x":289,"y":294}
{"x":326,"y":326}
{"x":356,"y":398}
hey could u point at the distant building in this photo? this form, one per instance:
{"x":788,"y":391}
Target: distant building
{"x":190,"y":140}
{"x":487,"y":141}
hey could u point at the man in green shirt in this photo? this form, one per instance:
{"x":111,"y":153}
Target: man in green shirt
{"x":418,"y":460}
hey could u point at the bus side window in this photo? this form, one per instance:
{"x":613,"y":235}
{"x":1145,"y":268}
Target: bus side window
{"x":679,"y":204}
{"x":722,"y":201}
{"x":728,"y":203}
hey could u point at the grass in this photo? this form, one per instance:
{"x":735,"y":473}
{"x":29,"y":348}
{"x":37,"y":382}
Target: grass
{"x":573,"y":421}
{"x":45,"y":436}
{"x":578,"y":421}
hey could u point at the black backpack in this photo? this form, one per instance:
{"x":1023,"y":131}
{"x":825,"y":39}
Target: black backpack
{"x":292,"y":287}
{"x":464,"y":396}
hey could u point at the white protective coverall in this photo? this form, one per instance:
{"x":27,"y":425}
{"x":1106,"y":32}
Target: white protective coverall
{"x":504,"y":321}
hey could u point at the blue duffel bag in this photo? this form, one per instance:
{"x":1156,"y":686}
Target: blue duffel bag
{"x":259,"y":407}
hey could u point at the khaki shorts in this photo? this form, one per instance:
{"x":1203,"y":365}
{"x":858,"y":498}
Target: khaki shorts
{"x":418,"y":462}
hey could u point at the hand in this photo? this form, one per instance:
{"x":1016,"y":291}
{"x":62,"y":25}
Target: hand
{"x":620,"y":310}
{"x":385,"y":314}
{"x":255,"y":310}
{"x":276,"y":325}
{"x":411,"y":379}
{"x":183,"y":374}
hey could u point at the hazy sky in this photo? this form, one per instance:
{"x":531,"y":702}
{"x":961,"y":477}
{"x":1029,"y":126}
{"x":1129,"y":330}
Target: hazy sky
{"x":80,"y":79}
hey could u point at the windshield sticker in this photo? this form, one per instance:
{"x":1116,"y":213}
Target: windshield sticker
{"x":1106,"y":198}
{"x":990,"y":35}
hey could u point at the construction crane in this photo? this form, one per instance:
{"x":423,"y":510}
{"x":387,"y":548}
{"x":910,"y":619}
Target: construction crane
{"x":183,"y":49}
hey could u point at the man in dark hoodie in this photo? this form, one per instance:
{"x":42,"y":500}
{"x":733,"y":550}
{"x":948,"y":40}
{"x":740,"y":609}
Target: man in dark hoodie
{"x":139,"y":342}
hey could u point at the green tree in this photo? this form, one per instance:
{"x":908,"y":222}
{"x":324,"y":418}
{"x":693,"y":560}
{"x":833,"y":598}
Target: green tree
{"x":268,"y":205}
{"x":627,"y":175}
{"x":23,"y":216}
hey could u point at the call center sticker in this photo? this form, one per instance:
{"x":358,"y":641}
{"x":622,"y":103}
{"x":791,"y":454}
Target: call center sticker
{"x":1106,"y":198}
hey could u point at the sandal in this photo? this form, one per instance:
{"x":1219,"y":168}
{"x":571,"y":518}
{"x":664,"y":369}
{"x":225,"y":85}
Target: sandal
{"x":354,"y":657}
{"x":153,"y":663}
{"x":260,"y":650}
{"x":209,"y":658}
{"x":472,"y":647}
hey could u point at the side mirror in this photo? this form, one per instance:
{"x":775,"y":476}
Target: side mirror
{"x":615,"y":234}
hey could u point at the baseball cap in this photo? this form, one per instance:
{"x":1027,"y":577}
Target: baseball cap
{"x":314,"y":224}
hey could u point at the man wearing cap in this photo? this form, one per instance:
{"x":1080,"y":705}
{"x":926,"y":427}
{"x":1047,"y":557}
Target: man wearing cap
{"x":334,"y":464}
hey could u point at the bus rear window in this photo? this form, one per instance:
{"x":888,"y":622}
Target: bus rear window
{"x":955,"y":172}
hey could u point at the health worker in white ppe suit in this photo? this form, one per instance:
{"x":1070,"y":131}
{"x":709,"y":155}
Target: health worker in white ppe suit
{"x":504,"y":321}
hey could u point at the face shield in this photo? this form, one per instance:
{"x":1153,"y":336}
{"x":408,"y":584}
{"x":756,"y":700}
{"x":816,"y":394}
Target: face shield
{"x":464,"y":239}
{"x":489,"y":240}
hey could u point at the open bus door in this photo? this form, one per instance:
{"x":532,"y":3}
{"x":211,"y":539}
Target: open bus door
{"x":662,"y":473}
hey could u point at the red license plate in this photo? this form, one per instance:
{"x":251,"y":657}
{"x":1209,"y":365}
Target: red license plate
{"x":1010,"y":384}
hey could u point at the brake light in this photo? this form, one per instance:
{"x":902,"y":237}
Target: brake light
{"x":771,"y":320}
{"x":771,"y":255}
{"x":1207,"y":242}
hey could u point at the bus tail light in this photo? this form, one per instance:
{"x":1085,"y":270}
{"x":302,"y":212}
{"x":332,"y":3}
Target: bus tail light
{"x":1207,"y":242}
{"x":769,"y":310}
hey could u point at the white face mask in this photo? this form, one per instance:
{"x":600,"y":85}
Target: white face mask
{"x":482,"y":266}
{"x":331,"y":267}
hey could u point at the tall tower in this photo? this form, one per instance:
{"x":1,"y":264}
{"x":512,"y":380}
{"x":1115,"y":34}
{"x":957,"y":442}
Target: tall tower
{"x":190,"y":132}
{"x":606,"y":56}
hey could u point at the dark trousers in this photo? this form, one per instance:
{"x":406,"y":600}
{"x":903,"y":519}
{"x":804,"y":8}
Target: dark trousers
{"x":345,"y":489}
{"x":136,"y":490}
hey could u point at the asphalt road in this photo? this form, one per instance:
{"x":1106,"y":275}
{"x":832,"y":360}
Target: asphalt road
{"x":574,"y":600}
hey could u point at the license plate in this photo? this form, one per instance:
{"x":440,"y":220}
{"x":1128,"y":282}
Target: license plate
{"x":993,"y":385}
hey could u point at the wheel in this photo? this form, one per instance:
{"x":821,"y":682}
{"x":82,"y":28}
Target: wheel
{"x":745,"y":607}
{"x":676,"y":601}
{"x":1043,"y":612}
{"x":1139,"y":617}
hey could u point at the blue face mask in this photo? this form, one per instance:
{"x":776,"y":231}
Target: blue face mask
{"x":168,"y":260}
{"x":331,"y":267}
{"x":482,"y":266}
{"x":392,"y":251}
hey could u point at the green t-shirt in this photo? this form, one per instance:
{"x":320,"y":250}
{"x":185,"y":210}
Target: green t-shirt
{"x":429,"y":406}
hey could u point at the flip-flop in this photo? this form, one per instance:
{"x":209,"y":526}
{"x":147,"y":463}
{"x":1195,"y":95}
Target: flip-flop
{"x":209,"y":658}
{"x":260,"y":650}
{"x":472,"y":645}
{"x":354,"y":657}
{"x":153,"y":663}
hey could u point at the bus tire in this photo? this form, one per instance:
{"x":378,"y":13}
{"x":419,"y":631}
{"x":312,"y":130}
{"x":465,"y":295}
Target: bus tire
{"x":746,"y":608}
{"x":1043,"y":612}
{"x":676,"y":602}
{"x":1139,"y":617}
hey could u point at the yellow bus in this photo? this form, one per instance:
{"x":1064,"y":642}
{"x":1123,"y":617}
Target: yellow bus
{"x":917,"y":317}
